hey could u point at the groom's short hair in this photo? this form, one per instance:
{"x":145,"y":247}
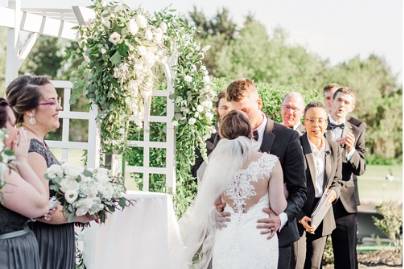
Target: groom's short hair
{"x":239,"y":89}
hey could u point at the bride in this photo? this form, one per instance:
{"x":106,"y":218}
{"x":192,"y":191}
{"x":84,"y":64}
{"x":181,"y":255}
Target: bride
{"x":246,"y":181}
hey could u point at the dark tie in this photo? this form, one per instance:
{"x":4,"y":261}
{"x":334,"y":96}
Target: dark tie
{"x":256,"y":135}
{"x":332,"y":126}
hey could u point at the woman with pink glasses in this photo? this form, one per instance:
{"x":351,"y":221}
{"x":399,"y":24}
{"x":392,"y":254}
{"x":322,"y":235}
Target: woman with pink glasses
{"x":36,"y":105}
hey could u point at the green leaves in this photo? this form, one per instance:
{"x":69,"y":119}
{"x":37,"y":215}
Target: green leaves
{"x":116,"y":58}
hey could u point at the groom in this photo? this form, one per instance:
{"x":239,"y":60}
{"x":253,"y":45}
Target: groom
{"x":283,"y":142}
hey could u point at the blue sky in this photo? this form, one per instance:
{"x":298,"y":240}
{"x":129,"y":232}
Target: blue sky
{"x":334,"y":29}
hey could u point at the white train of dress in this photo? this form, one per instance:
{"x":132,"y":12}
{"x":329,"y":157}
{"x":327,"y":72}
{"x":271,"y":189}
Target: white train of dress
{"x":240,"y":245}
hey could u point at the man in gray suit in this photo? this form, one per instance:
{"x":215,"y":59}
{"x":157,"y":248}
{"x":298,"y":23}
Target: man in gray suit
{"x":352,"y":139}
{"x":292,"y":111}
{"x":323,"y":177}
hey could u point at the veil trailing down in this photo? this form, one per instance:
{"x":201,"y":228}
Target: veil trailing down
{"x":197,"y":226}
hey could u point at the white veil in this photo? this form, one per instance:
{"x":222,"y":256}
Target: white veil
{"x":197,"y":227}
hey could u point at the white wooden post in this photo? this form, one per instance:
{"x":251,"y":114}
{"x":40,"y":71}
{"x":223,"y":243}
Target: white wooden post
{"x":12,"y":62}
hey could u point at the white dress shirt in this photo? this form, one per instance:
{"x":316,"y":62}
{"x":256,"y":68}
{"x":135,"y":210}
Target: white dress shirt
{"x":337,"y":134}
{"x":319,"y":163}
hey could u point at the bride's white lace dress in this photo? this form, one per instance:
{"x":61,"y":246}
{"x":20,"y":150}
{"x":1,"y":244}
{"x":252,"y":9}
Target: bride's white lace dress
{"x":240,"y":244}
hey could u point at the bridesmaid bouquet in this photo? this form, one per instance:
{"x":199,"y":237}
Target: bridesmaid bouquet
{"x":6,"y":156}
{"x":86,"y":192}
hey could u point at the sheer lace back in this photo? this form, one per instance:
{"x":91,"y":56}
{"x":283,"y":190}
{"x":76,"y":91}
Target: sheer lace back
{"x":244,"y":185}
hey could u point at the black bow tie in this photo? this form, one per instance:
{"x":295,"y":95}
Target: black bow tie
{"x":256,"y":135}
{"x":332,"y":126}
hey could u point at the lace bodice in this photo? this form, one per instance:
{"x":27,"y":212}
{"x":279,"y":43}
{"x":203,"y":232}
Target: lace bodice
{"x":242,"y":188}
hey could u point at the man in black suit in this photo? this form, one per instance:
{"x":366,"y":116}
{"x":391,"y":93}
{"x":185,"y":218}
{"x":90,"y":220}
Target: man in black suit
{"x":352,"y":139}
{"x":284,"y":143}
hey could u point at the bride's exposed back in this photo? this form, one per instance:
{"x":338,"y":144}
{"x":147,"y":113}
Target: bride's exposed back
{"x":247,"y":181}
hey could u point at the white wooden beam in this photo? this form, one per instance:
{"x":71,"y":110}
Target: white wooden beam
{"x":84,"y":15}
{"x":38,"y":24}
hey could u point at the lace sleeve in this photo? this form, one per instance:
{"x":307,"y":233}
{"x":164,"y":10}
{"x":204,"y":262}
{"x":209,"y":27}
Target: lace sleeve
{"x":266,"y":164}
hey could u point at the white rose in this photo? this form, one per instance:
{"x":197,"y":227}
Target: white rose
{"x":141,"y":21}
{"x":148,"y":35}
{"x":96,"y":206}
{"x":142,"y":51}
{"x":207,"y":104}
{"x":114,"y":38}
{"x":106,"y":191}
{"x":68,"y":184}
{"x":192,"y":121}
{"x":83,"y":206}
{"x":55,"y":170}
{"x":209,"y":116}
{"x":199,"y":108}
{"x":158,"y":36}
{"x":71,"y":196}
{"x":106,"y":23}
{"x":163,"y":27}
{"x":133,"y":28}
{"x":188,"y":78}
{"x":71,"y":171}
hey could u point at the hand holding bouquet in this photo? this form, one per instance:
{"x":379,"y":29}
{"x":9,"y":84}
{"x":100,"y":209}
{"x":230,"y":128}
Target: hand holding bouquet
{"x":84,"y":192}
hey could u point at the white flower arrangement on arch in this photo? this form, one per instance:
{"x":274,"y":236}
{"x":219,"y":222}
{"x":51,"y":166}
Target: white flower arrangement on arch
{"x":120,"y":47}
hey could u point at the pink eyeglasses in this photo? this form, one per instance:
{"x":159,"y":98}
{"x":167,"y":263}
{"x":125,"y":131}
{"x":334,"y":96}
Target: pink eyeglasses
{"x":51,"y":102}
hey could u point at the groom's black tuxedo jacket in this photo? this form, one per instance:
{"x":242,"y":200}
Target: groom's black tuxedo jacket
{"x":284,"y":143}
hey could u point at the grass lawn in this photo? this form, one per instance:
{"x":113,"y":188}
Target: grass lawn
{"x":374,"y":188}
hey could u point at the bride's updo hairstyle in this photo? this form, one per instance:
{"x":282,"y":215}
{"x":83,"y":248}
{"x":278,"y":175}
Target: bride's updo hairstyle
{"x":235,"y":124}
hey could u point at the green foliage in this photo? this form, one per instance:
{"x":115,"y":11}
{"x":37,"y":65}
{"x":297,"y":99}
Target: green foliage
{"x":328,"y":255}
{"x":45,"y":58}
{"x":3,"y":44}
{"x":391,"y":222}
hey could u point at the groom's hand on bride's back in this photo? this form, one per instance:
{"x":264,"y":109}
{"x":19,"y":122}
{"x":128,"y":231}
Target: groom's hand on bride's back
{"x":270,"y":225}
{"x":219,"y":215}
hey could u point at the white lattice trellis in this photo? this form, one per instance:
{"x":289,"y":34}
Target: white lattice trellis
{"x":168,"y":145}
{"x":24,"y":27}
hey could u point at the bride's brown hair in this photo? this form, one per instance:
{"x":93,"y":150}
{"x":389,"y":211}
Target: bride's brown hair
{"x":235,"y":124}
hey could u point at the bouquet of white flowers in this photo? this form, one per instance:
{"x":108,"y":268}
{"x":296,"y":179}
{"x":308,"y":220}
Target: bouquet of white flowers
{"x":6,"y":156}
{"x":86,"y":192}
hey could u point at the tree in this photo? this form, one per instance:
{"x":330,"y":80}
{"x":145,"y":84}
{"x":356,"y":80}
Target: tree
{"x":45,"y":58}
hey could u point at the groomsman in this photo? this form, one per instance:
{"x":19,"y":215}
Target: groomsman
{"x":323,"y":176}
{"x":284,"y":143}
{"x":352,"y":139}
{"x":292,"y":111}
{"x":328,"y":93}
